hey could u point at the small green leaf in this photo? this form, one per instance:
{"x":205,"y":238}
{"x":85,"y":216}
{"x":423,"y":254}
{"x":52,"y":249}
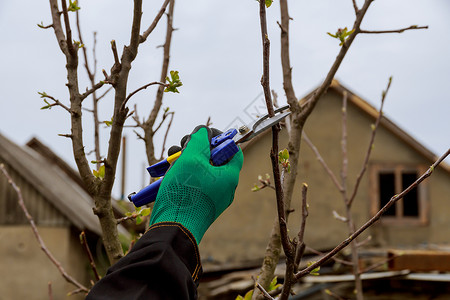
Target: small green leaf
{"x":249,"y":295}
{"x":268,"y":3}
{"x":108,"y":123}
{"x":284,"y":154}
{"x":73,"y":6}
{"x":145,"y":212}
{"x":139,"y":220}
{"x":239,"y":297}
{"x":100,"y":173}
{"x":255,"y":188}
{"x":174,"y":82}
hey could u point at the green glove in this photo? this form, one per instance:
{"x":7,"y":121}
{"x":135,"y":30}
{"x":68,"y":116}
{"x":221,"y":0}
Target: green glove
{"x":194,"y":192}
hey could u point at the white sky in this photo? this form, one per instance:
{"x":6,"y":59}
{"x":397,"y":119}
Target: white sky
{"x":217,"y":50}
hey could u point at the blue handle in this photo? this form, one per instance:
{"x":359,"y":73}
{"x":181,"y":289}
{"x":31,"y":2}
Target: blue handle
{"x":146,"y":195}
{"x":223,"y":149}
{"x":219,"y":139}
{"x":159,"y":169}
{"x":223,"y":152}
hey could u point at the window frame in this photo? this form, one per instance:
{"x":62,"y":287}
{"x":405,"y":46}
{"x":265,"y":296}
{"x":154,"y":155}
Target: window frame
{"x":422,"y":194}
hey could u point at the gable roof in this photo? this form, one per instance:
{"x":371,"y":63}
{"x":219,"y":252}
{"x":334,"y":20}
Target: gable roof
{"x":368,"y":109}
{"x":371,"y":111}
{"x":54,"y":184}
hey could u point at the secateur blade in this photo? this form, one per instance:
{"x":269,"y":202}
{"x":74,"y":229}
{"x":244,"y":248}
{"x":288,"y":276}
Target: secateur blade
{"x":260,"y":125}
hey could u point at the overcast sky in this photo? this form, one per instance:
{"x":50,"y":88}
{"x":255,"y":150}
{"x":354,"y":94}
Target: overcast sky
{"x":217,"y":50}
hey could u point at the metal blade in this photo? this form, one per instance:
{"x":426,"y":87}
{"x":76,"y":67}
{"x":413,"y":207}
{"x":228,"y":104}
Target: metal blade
{"x":260,"y":125}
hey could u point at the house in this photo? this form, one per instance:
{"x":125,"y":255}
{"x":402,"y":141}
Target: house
{"x":240,"y":235}
{"x":61,"y":209}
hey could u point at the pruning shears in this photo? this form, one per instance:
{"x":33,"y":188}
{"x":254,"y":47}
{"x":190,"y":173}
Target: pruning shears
{"x":223,"y":147}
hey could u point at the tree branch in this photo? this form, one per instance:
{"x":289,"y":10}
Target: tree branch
{"x":355,"y":7}
{"x":323,"y":163}
{"x":166,"y":134}
{"x":140,"y":89}
{"x":44,"y":248}
{"x":372,"y":220}
{"x":412,"y":27}
{"x":369,"y":149}
{"x":89,"y":255}
{"x":91,"y":90}
{"x":146,"y":33}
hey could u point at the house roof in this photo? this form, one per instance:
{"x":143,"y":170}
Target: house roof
{"x":54,"y":184}
{"x":368,"y":109}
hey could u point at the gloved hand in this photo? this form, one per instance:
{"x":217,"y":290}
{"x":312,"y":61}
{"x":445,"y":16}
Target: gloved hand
{"x":194,"y":192}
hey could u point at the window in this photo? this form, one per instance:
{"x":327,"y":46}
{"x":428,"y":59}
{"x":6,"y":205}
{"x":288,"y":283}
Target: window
{"x":387,"y":181}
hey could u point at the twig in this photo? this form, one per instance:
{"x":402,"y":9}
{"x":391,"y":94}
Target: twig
{"x":56,"y":102}
{"x":50,"y":292}
{"x":372,"y":139}
{"x":146,"y":33}
{"x":301,"y":233}
{"x":374,"y":266}
{"x":70,"y":46}
{"x":105,"y":93}
{"x":47,"y":252}
{"x":166,"y":134}
{"x":335,"y":296}
{"x":344,"y":170}
{"x":140,"y":89}
{"x":322,"y":161}
{"x":115,"y":54}
{"x":412,"y":27}
{"x":91,"y":90}
{"x":338,"y":260}
{"x":123,"y":219}
{"x":265,"y":293}
{"x":374,"y":219}
{"x":208,"y":122}
{"x":355,"y":7}
{"x":89,"y":254}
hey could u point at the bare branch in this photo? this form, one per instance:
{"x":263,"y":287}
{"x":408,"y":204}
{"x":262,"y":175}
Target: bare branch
{"x":105,"y":93}
{"x":56,"y":102}
{"x":265,"y":293}
{"x":369,"y":149}
{"x":412,"y":27}
{"x":123,"y":219}
{"x":311,"y":103}
{"x":42,"y":26}
{"x":140,"y":89}
{"x":57,"y":26}
{"x":85,"y":245}
{"x":301,"y":244}
{"x":322,"y":161}
{"x":338,"y":260}
{"x":166,"y":134}
{"x":355,"y":7}
{"x":44,"y":248}
{"x":344,"y":170}
{"x":146,"y":33}
{"x":374,"y":219}
{"x":70,"y":46}
{"x":208,"y":122}
{"x":50,"y":292}
{"x":91,"y":90}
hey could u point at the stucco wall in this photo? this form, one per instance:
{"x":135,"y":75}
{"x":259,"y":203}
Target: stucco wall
{"x":242,"y":232}
{"x":25,"y":270}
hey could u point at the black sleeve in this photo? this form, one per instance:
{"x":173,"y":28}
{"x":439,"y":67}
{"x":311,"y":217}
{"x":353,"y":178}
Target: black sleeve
{"x":163,"y":264}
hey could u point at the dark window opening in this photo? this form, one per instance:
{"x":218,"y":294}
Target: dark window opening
{"x":411,"y":200}
{"x":387,"y":190}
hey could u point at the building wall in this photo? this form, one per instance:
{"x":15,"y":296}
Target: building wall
{"x":25,"y":269}
{"x":241,"y":233}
